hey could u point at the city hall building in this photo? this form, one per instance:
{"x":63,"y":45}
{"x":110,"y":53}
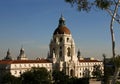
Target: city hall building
{"x":62,"y":56}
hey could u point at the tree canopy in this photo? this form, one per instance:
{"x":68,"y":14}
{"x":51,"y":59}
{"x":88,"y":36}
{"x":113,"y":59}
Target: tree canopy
{"x":97,"y":72}
{"x":7,"y":78}
{"x":87,"y":5}
{"x":112,"y":7}
{"x":36,"y":76}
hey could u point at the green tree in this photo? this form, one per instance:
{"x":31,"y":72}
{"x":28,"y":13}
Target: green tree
{"x":117,"y":68}
{"x":97,"y":72}
{"x":112,"y":7}
{"x":36,"y":76}
{"x":7,"y":78}
{"x":75,"y":80}
{"x":59,"y":77}
{"x":86,"y":73}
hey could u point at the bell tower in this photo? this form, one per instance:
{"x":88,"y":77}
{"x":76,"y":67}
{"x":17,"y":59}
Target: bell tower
{"x":62,"y":44}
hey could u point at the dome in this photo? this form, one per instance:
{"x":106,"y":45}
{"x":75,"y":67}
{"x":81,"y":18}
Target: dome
{"x":61,"y":29}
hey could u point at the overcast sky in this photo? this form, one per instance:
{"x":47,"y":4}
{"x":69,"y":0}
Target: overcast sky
{"x":31,"y":23}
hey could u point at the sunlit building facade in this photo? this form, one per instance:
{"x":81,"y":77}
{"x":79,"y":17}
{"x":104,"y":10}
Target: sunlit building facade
{"x":62,"y":56}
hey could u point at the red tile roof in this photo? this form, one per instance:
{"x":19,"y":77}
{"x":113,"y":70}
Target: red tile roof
{"x":62,"y":30}
{"x":24,"y":61}
{"x":89,"y":61}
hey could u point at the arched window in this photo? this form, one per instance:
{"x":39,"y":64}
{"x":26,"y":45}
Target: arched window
{"x":71,"y":73}
{"x":68,"y":51}
{"x":60,"y":53}
{"x":61,"y":39}
{"x":60,"y":47}
{"x":80,"y":73}
{"x":67,"y":39}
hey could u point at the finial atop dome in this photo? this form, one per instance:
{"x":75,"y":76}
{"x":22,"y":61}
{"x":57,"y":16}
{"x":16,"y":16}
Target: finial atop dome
{"x":61,"y":21}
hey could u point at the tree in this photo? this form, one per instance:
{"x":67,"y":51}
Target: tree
{"x":97,"y":72}
{"x":59,"y":77}
{"x":36,"y":76}
{"x":7,"y":78}
{"x":112,"y":7}
{"x":75,"y":80}
{"x":117,"y":68}
{"x":86,"y":73}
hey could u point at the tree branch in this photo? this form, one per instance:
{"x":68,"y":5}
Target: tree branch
{"x":111,"y":14}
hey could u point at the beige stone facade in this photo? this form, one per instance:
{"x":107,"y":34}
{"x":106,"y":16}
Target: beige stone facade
{"x":62,"y":56}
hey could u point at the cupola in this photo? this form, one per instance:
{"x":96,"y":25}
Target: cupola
{"x":61,"y":29}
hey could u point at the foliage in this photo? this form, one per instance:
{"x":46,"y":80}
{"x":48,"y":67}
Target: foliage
{"x":86,"y":73}
{"x":112,"y":7}
{"x":60,"y":78}
{"x":97,"y":72}
{"x":117,"y":61}
{"x":117,"y":82}
{"x":74,"y":80}
{"x":7,"y":78}
{"x":36,"y":76}
{"x":42,"y":76}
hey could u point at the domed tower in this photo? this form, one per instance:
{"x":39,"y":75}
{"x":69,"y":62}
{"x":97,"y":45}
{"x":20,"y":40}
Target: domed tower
{"x":62,"y":43}
{"x":22,"y":55}
{"x":62,"y":49}
{"x":8,"y":56}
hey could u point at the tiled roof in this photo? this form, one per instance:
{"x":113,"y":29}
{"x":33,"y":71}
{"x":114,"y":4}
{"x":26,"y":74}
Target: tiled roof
{"x":89,"y":61}
{"x":62,"y":30}
{"x":24,"y":61}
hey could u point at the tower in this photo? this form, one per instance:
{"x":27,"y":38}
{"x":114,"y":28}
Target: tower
{"x":22,"y":55}
{"x":62,"y":43}
{"x":8,"y":56}
{"x":78,"y":54}
{"x":62,"y":48}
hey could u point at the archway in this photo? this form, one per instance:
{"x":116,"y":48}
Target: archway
{"x":72,"y":72}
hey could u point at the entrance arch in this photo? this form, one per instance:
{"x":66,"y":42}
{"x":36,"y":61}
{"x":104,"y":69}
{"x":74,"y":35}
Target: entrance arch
{"x":72,"y":72}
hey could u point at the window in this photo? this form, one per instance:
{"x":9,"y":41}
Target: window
{"x":60,"y":47}
{"x":68,"y":51}
{"x":61,"y":39}
{"x":20,"y":72}
{"x":15,"y":65}
{"x":60,"y":53}
{"x":67,"y":39}
{"x":71,"y":73}
{"x":15,"y":72}
{"x":80,"y":74}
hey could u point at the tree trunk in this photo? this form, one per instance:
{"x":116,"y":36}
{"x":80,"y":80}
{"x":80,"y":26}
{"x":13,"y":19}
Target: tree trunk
{"x":113,"y":41}
{"x":116,"y":73}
